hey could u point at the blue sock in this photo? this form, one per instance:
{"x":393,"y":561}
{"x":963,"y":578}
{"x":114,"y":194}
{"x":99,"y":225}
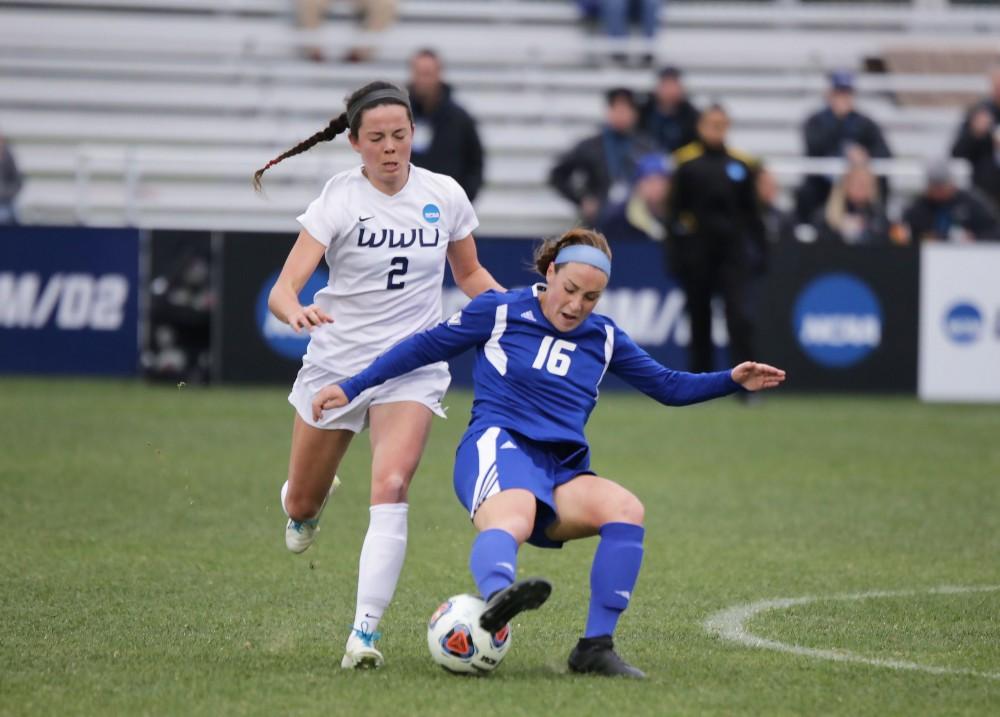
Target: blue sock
{"x":613,"y":575}
{"x":493,"y":561}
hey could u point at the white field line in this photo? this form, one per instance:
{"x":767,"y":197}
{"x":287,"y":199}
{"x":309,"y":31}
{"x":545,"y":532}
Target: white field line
{"x":729,"y":624}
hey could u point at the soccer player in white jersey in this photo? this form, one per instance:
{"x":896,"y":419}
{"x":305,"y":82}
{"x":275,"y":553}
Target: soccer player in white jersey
{"x":385,"y":229}
{"x":522,"y":469}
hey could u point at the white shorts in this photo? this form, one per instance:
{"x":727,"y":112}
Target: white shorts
{"x":425,"y":385}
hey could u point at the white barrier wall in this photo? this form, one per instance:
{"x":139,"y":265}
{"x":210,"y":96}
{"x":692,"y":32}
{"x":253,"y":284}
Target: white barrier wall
{"x":959,"y":358}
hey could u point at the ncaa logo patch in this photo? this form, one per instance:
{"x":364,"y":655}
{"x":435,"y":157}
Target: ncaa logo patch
{"x":431,"y":213}
{"x":736,"y":171}
{"x":963,"y":323}
{"x":837,"y":320}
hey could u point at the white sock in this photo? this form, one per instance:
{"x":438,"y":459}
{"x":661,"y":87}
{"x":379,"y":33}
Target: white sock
{"x":381,"y":563}
{"x":284,"y":492}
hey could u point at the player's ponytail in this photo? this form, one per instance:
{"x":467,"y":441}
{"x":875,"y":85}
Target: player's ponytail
{"x":371,"y":95}
{"x":337,"y":125}
{"x":546,"y":252}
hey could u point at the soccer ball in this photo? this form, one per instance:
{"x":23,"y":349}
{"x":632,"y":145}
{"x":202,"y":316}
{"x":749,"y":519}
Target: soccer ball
{"x":456,"y":641}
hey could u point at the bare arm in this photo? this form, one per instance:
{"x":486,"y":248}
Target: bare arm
{"x":472,"y":278}
{"x":283,"y":301}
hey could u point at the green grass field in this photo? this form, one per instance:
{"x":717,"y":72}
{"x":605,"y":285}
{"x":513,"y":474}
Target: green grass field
{"x":144,"y":570}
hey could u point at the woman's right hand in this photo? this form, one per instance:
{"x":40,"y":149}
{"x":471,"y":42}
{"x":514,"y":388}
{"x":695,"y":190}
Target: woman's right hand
{"x":308,"y":318}
{"x":332,"y":396}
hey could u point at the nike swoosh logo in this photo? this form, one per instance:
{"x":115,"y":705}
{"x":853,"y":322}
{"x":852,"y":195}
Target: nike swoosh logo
{"x":365,"y":219}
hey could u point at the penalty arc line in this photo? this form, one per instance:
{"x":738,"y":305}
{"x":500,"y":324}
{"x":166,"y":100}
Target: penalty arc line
{"x":729,"y":624}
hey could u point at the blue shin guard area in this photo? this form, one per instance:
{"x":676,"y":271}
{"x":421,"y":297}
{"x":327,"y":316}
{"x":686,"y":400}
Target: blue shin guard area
{"x":493,"y":561}
{"x":613,"y":576}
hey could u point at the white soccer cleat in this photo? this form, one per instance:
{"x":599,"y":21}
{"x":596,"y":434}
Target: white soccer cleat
{"x":299,"y":535}
{"x":361,"y":653}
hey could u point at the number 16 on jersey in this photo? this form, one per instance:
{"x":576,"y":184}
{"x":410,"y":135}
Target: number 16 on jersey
{"x":557,"y":352}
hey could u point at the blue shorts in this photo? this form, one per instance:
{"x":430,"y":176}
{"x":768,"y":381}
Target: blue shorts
{"x":495,"y":459}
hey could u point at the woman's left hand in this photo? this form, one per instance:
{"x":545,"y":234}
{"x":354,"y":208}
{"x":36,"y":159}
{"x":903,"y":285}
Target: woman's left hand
{"x":755,"y":376}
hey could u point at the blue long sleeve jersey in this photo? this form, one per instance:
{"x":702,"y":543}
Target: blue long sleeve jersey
{"x":530,"y":377}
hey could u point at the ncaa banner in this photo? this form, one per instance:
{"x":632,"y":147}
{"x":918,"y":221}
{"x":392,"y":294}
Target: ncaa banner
{"x":840,"y":318}
{"x":69,"y":300}
{"x":836,"y":317}
{"x":960,"y":323}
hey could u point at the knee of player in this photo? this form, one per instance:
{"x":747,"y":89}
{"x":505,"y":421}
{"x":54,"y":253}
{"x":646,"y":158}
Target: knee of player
{"x":628,"y":509}
{"x":509,"y":510}
{"x":520,"y":527}
{"x":390,"y":487}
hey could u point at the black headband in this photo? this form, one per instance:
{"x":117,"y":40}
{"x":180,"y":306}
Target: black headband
{"x":389,"y":93}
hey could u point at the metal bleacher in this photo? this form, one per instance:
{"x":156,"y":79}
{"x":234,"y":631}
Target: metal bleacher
{"x":156,"y":112}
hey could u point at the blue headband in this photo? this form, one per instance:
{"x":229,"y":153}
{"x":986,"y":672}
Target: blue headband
{"x":585,"y":254}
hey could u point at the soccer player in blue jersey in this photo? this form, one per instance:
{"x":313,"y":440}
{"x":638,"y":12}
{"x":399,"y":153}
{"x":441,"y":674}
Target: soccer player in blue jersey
{"x":522,"y":469}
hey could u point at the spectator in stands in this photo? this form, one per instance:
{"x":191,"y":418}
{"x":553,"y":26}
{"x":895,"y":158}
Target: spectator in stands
{"x":643,"y":216}
{"x":713,"y":217}
{"x":976,"y":141}
{"x":617,"y":15}
{"x":668,"y":117}
{"x":10,"y":183}
{"x":779,"y":225}
{"x":986,"y":173}
{"x":946,"y":213}
{"x":445,"y":139}
{"x":598,"y":170}
{"x":838,"y":130}
{"x":854,"y":213}
{"x":376,"y":16}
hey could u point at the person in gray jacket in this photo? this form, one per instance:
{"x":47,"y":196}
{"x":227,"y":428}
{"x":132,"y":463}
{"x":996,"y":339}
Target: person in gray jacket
{"x":597,"y":172}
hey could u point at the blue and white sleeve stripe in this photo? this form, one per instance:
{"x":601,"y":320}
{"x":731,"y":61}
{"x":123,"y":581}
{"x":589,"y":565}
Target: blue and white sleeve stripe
{"x":493,"y":350}
{"x":609,"y":351}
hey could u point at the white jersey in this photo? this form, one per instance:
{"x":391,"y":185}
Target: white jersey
{"x":386,"y":256}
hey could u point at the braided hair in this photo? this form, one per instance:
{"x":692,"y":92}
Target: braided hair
{"x":338,"y":124}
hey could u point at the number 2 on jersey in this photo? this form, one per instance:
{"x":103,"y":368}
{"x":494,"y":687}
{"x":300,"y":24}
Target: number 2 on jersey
{"x":557,"y":352}
{"x":400,"y":264}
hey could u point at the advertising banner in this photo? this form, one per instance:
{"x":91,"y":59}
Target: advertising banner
{"x":842,"y":318}
{"x":69,"y":300}
{"x":252,"y":345}
{"x":835,"y":317}
{"x":960,"y":323}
